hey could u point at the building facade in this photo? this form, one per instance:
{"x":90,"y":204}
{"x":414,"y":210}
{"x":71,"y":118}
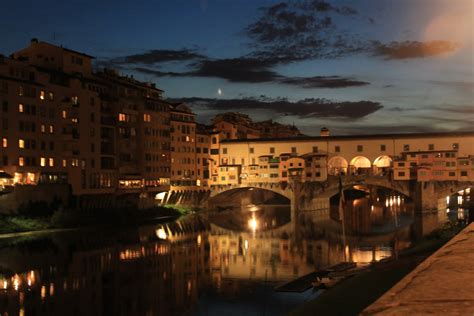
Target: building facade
{"x":421,"y":157}
{"x":61,"y":122}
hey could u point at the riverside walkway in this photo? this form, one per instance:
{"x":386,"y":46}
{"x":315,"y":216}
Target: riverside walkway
{"x":443,"y":284}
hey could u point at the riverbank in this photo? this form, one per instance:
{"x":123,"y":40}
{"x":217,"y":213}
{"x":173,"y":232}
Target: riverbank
{"x":353,"y":295}
{"x":67,"y":219}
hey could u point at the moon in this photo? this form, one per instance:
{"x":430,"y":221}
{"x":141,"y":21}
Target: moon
{"x":219,"y":91}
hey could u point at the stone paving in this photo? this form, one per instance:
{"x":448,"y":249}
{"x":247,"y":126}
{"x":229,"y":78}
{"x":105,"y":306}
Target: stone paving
{"x":443,"y":284}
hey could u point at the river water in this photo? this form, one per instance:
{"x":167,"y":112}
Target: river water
{"x":225,"y":263}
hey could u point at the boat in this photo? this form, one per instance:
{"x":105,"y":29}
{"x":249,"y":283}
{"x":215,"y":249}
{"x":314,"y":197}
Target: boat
{"x":326,"y":282}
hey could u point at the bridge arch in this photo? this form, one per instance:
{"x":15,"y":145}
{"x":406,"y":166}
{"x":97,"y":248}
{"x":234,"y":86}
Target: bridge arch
{"x":360,"y":164}
{"x":382,"y":164}
{"x":337,"y":165}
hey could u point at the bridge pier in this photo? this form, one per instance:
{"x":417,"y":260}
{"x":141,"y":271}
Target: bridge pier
{"x":430,"y":209}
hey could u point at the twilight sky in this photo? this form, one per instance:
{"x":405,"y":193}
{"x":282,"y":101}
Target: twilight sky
{"x":354,"y":66}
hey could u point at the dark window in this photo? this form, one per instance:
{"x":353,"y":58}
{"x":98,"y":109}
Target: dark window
{"x":406,"y":147}
{"x":251,"y":150}
{"x":430,"y":146}
{"x":455,"y":146}
{"x":293,"y":150}
{"x":383,"y":148}
{"x":315,"y":149}
{"x":360,"y":148}
{"x":224,"y":151}
{"x":272,"y":150}
{"x":214,"y":151}
{"x":401,"y":174}
{"x":337,"y":149}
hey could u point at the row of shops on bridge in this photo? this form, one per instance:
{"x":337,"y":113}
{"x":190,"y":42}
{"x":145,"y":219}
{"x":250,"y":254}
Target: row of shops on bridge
{"x":317,"y":167}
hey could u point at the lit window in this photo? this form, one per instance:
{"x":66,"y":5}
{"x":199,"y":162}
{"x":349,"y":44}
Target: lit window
{"x":51,"y":129}
{"x":21,"y":161}
{"x":20,"y":91}
{"x":51,"y":96}
{"x":21,"y":143}
{"x":42,"y":162}
{"x":42,"y":95}
{"x":122,"y":117}
{"x":74,"y":120}
{"x":51,"y":162}
{"x":75,"y":100}
{"x":43,"y":128}
{"x":64,"y":163}
{"x":146,"y":117}
{"x":64,"y":114}
{"x":4,"y":142}
{"x":20,"y":108}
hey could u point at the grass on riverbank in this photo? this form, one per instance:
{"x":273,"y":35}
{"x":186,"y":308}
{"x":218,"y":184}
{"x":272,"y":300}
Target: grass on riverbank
{"x":353,"y":295}
{"x":13,"y":224}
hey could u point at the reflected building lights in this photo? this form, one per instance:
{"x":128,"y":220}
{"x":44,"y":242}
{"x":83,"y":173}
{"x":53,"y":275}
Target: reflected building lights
{"x":253,"y":224}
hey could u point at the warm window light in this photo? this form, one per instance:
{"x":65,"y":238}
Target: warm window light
{"x":43,"y":161}
{"x":64,"y":114}
{"x":51,"y":162}
{"x":122,"y":117}
{"x":4,"y":142}
{"x":20,"y":108}
{"x":21,"y":161}
{"x":146,"y":117}
{"x":51,"y":129}
{"x":21,"y":143}
{"x":42,"y":95}
{"x":43,"y":128}
{"x":51,"y":96}
{"x":64,"y":163}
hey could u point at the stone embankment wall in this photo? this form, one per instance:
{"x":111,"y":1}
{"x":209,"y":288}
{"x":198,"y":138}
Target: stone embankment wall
{"x":187,"y":198}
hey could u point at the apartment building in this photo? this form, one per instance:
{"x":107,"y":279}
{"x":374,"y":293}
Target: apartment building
{"x":60,"y":122}
{"x":183,"y":147}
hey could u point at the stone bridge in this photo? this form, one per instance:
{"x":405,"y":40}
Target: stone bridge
{"x":428,"y":197}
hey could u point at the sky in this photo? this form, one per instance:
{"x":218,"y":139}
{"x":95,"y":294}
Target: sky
{"x":356,"y":67}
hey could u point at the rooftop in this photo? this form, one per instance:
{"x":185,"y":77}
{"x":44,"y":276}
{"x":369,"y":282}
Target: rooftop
{"x":350,"y":137}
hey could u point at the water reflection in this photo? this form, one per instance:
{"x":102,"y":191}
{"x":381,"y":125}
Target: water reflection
{"x":229,"y":261}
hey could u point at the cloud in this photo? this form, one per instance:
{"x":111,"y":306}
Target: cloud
{"x":254,"y":70}
{"x":237,"y":69}
{"x":414,"y":49}
{"x":324,"y":82}
{"x":303,"y":30}
{"x":306,"y":108}
{"x":158,"y":56}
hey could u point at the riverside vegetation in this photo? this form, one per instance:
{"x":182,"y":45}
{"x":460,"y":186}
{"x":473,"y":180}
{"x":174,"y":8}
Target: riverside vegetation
{"x":36,"y":216}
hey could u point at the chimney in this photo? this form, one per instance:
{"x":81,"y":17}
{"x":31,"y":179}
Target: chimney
{"x":34,"y":40}
{"x":324,"y":132}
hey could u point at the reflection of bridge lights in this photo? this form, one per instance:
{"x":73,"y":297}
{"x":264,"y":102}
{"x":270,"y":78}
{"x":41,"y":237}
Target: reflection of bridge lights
{"x":160,"y":233}
{"x":246,"y":244}
{"x":250,"y":189}
{"x":16,"y":282}
{"x":253,"y":224}
{"x":254,"y":208}
{"x":5,"y":284}
{"x":199,"y":240}
{"x":447,"y":199}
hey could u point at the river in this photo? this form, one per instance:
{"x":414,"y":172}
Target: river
{"x":222,"y":263}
